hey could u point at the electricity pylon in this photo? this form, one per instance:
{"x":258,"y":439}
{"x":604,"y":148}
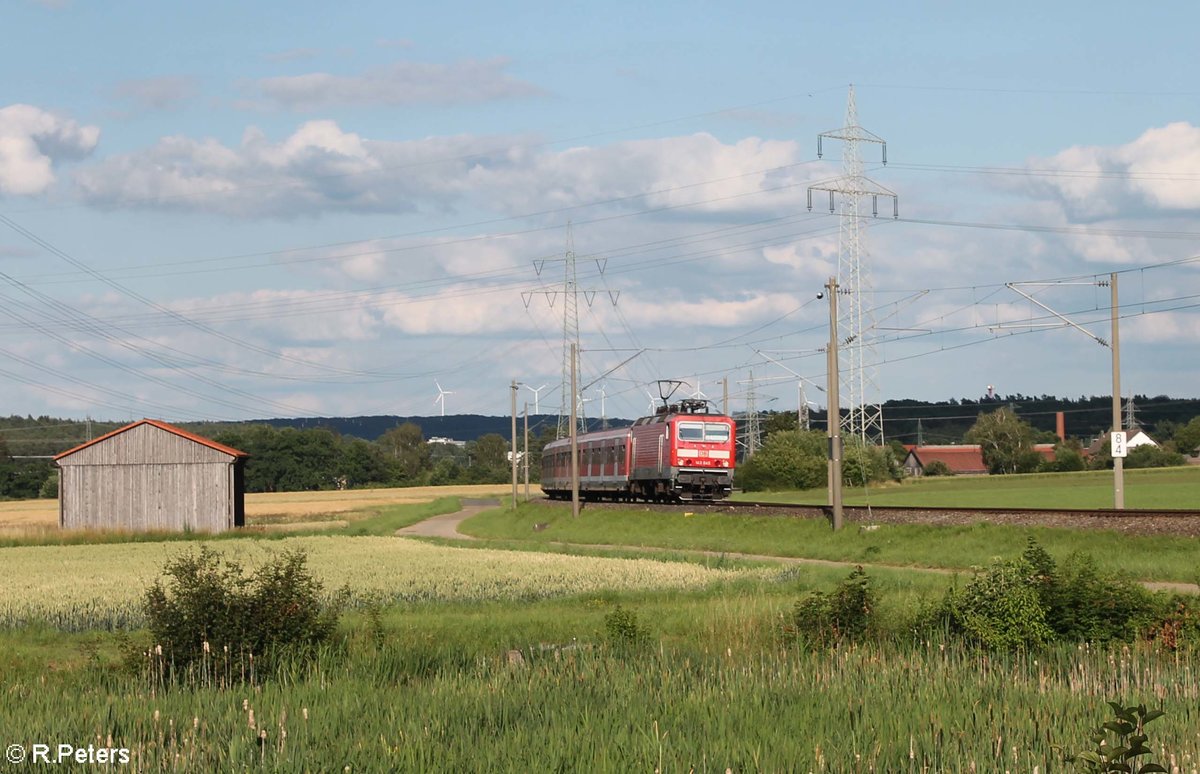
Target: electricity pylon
{"x":856,"y":320}
{"x":570,"y":292}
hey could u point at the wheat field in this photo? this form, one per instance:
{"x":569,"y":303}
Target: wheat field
{"x":25,"y":516}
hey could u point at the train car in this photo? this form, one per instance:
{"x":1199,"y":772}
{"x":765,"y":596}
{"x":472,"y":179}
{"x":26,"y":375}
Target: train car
{"x":682,"y":453}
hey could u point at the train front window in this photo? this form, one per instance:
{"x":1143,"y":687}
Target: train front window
{"x":716,"y":432}
{"x":691,"y":431}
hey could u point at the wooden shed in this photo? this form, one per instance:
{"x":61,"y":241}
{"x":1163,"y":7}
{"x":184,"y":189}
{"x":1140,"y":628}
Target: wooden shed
{"x":151,"y":476}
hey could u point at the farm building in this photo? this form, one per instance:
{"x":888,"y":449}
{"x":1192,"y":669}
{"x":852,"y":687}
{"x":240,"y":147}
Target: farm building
{"x":960,"y":459}
{"x":151,"y":476}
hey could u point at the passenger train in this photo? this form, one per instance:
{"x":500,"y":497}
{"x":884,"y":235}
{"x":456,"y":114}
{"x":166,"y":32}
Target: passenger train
{"x":684,"y":452}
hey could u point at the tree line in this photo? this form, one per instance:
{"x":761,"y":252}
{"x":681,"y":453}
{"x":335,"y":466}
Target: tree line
{"x":289,"y":458}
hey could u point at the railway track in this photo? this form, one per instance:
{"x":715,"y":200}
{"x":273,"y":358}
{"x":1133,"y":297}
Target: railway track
{"x":1130,"y":521}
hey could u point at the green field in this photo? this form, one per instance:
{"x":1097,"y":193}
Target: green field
{"x":496,"y":655}
{"x":1154,"y":488}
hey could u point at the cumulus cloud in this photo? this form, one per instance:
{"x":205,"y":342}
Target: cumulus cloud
{"x":401,"y":83}
{"x":323,"y":168}
{"x":318,"y":168}
{"x":32,"y":140}
{"x":1158,"y":171}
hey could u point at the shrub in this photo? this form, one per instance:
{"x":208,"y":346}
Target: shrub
{"x":999,"y":608}
{"x":788,"y":460}
{"x":938,"y":468}
{"x":1148,"y":456}
{"x":1083,"y":604}
{"x":624,"y":629}
{"x":209,"y":609}
{"x":843,"y":614}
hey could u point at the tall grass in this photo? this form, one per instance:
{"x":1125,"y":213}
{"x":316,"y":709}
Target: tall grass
{"x":408,"y":706}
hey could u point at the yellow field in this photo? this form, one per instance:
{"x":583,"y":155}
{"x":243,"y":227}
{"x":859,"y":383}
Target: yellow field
{"x":100,"y":586}
{"x":21,"y":516}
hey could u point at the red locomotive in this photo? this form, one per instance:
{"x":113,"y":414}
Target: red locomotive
{"x":682,"y":453}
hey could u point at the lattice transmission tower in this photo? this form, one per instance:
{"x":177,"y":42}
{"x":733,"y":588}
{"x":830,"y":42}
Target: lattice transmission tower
{"x":849,"y":195}
{"x":570,"y":292}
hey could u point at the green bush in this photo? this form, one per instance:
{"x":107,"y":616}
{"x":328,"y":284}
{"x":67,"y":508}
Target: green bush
{"x":49,"y":490}
{"x":843,"y":614}
{"x":1033,"y":600}
{"x":624,"y":629}
{"x":1148,"y":456}
{"x":788,"y":460}
{"x":209,"y":613}
{"x":938,"y":468}
{"x":999,"y":608}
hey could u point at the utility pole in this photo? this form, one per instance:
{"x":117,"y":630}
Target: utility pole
{"x":725,"y":396}
{"x":574,"y":439}
{"x":513,"y":454}
{"x":835,"y":411}
{"x":1118,"y":461}
{"x":525,"y":453}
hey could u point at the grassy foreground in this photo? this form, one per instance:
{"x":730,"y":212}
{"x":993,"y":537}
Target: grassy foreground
{"x":440,"y":689}
{"x":477,"y":659}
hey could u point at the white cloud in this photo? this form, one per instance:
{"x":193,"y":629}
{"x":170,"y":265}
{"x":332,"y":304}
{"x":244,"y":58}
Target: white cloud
{"x":401,"y":83}
{"x":1160,"y":170}
{"x":319,"y":168}
{"x":32,"y":140}
{"x":323,"y":168}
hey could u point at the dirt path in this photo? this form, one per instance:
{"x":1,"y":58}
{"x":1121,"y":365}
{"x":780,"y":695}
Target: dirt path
{"x":446,"y":526}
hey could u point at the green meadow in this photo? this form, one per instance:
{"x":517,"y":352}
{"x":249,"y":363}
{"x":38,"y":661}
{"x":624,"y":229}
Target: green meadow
{"x":500,"y":654}
{"x":1150,"y":488}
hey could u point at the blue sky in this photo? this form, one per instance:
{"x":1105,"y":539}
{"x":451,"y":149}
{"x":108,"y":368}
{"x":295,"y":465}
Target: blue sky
{"x":248,"y":210}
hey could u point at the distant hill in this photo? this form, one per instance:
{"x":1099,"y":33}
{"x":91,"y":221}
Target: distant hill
{"x":458,"y":427}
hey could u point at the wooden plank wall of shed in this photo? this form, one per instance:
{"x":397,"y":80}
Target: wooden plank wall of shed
{"x":147,"y":497}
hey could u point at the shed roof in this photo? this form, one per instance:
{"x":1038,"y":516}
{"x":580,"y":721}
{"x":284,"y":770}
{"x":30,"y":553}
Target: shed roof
{"x":232,"y":452}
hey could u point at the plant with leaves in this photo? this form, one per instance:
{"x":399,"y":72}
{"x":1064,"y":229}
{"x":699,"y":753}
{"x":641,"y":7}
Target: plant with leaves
{"x":999,"y":608}
{"x":843,"y":614}
{"x":208,"y":606}
{"x":1119,"y":742}
{"x":625,"y":631}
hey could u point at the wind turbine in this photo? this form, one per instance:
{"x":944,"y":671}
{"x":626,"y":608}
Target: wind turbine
{"x":441,"y":398}
{"x":535,"y":392}
{"x":652,"y":408}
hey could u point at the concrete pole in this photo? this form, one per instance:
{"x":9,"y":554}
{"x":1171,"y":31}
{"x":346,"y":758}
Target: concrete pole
{"x":525,"y":452}
{"x":513,"y":453}
{"x":574,"y":438}
{"x":835,"y":411}
{"x":725,"y":396}
{"x":1118,"y":462}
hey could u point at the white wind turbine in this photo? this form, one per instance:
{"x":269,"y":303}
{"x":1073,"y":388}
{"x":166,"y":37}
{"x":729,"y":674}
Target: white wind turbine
{"x":441,"y":398}
{"x":535,"y":392}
